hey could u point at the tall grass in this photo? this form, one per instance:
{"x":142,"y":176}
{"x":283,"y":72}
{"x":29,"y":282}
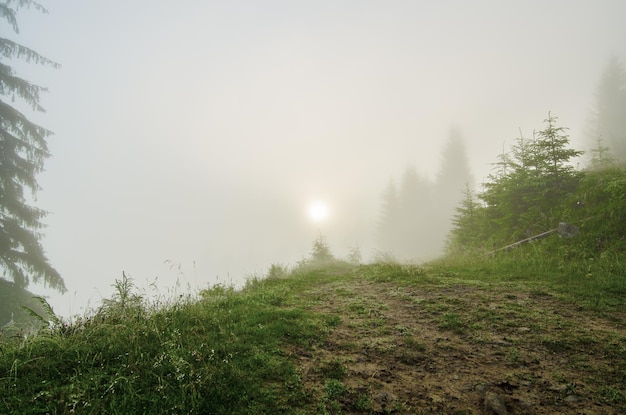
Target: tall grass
{"x":220,"y":353}
{"x":592,"y":280}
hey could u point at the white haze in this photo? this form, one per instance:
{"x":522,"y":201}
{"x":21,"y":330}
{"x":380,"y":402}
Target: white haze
{"x":197,"y":132}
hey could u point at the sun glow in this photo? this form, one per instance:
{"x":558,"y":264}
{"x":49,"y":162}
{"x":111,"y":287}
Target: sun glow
{"x":318,"y":211}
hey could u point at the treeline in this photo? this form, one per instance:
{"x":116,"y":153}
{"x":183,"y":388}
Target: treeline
{"x":416,"y":211}
{"x":534,"y":188}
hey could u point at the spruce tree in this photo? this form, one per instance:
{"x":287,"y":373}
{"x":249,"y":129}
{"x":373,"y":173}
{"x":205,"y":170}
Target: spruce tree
{"x":23,"y":150}
{"x":389,"y":225}
{"x":552,"y":154}
{"x":416,"y":213}
{"x":609,"y":115}
{"x":453,"y":178}
{"x":601,"y":156}
{"x":466,"y":224}
{"x":555,"y":177}
{"x":538,"y":177}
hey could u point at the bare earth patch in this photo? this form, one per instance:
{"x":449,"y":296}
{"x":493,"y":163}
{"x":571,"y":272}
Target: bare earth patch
{"x":462,"y":350}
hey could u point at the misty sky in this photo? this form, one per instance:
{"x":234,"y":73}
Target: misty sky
{"x":198,"y":132}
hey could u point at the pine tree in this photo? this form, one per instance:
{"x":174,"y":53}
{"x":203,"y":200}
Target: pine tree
{"x":609,"y":116}
{"x":321,"y":251}
{"x":556,"y":177}
{"x":466,"y":224}
{"x":453,"y":176}
{"x":538,"y":177}
{"x":416,"y":233}
{"x":601,"y":156}
{"x":389,"y":225}
{"x":552,"y":155}
{"x":455,"y":171}
{"x":23,"y":150}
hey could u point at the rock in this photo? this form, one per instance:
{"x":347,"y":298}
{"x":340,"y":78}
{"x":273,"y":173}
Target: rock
{"x":385,"y":397}
{"x":481,"y":387}
{"x":494,"y":404}
{"x":567,"y":230}
{"x":383,"y":402}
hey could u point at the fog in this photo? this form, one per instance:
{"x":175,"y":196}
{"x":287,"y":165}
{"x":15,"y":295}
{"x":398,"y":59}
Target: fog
{"x":191,"y":137}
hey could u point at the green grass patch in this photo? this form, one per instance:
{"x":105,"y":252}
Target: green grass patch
{"x":221,"y":353}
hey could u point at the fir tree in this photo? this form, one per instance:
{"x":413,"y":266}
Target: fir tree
{"x":601,"y":156}
{"x":389,"y":225}
{"x":609,"y":115}
{"x":552,"y":154}
{"x":416,"y":215}
{"x":538,"y":177}
{"x":466,"y":229}
{"x":453,"y":177}
{"x":23,"y":150}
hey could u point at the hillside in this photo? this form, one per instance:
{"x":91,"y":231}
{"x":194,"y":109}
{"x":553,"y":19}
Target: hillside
{"x":337,"y":339}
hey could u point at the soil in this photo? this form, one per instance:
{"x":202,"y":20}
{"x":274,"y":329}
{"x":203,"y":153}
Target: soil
{"x":462,"y":349}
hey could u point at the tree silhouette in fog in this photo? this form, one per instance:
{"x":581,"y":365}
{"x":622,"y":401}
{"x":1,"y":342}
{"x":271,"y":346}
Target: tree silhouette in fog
{"x":416,"y":215}
{"x":23,"y":150}
{"x":608,"y":121}
{"x":453,"y":177}
{"x":389,"y":224}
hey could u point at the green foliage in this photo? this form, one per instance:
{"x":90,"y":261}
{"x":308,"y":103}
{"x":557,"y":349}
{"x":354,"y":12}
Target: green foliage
{"x":21,"y":311}
{"x":601,"y":157}
{"x":51,"y":318}
{"x":466,"y":222}
{"x":23,"y":150}
{"x":334,"y":370}
{"x":124,"y":302}
{"x":321,"y":251}
{"x":526,"y":195}
{"x":599,"y":206}
{"x":222,"y":353}
{"x":277,"y":271}
{"x":354,"y":255}
{"x":533,"y":190}
{"x":452,"y":321}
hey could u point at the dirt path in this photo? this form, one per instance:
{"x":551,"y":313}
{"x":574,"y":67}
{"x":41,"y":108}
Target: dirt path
{"x":462,"y":350}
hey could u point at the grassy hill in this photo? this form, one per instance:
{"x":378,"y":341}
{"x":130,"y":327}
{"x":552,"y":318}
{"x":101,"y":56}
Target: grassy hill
{"x":334,"y":338}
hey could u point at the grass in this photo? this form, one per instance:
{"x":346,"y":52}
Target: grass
{"x":246,"y":352}
{"x":221,"y":353}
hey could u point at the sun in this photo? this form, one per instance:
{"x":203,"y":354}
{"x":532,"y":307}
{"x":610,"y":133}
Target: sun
{"x":318,"y":211}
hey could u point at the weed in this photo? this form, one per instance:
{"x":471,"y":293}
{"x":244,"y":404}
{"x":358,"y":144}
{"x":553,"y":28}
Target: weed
{"x":334,"y":389}
{"x":613,"y":395}
{"x":363,"y":403}
{"x":452,"y":321}
{"x":354,"y":255}
{"x":277,"y":271}
{"x":334,"y":370}
{"x":124,"y":301}
{"x":513,"y":356}
{"x":321,"y":251}
{"x":333,"y":320}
